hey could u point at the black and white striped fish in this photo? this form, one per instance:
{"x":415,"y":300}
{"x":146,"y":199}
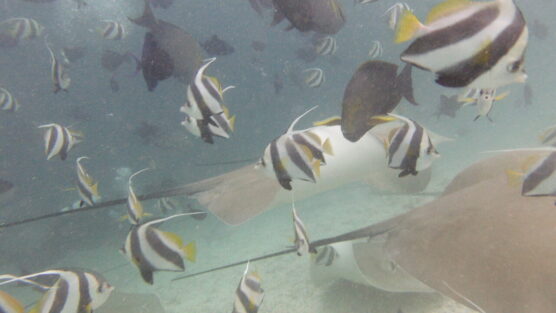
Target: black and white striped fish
{"x":249,"y":294}
{"x":537,"y":176}
{"x":394,"y":12}
{"x":59,"y":140}
{"x":151,"y":249}
{"x":313,"y":77}
{"x":166,"y":205}
{"x":410,"y":148}
{"x":7,"y":101}
{"x":295,"y":155}
{"x":204,"y":95}
{"x":219,"y":125}
{"x":301,"y":241}
{"x":9,"y":304}
{"x":365,"y":1}
{"x":376,"y":49}
{"x":74,"y":292}
{"x":326,"y":46}
{"x":467,"y":43}
{"x":484,"y":99}
{"x":112,"y":30}
{"x":135,"y":210}
{"x":58,"y":73}
{"x":20,"y":28}
{"x":86,"y":186}
{"x":325,"y":256}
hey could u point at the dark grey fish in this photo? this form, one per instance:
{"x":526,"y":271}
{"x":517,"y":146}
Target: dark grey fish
{"x":448,"y":106}
{"x":5,"y":186}
{"x":374,"y":89}
{"x":321,"y":16}
{"x":216,"y":46}
{"x":111,"y":60}
{"x":155,"y":62}
{"x":7,"y":40}
{"x":181,"y":47}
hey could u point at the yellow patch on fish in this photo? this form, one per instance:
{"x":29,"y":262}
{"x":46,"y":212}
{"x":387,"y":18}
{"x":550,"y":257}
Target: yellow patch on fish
{"x":331,"y":121}
{"x":446,"y":8}
{"x":408,"y":27}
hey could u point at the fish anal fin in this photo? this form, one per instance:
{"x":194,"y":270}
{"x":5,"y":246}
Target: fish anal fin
{"x":316,"y":168}
{"x":327,"y":147}
{"x":190,"y":251}
{"x":147,"y":275}
{"x":446,"y":8}
{"x":408,"y":26}
{"x":514,"y":177}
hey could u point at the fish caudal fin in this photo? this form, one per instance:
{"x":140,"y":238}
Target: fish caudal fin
{"x":190,"y":251}
{"x":408,"y":27}
{"x":147,"y":19}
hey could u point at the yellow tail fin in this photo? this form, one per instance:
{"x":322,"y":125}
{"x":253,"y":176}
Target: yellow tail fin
{"x":407,"y":27}
{"x":190,"y":251}
{"x":327,"y":147}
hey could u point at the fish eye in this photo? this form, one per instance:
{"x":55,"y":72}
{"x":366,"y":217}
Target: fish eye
{"x":514,"y":66}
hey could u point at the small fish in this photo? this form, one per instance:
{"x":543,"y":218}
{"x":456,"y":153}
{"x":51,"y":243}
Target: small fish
{"x":135,"y":210}
{"x":204,"y":95}
{"x":112,"y":30}
{"x":7,"y":101}
{"x":20,"y":28}
{"x":484,"y":99}
{"x":59,"y":140}
{"x":202,"y":129}
{"x":166,"y":205}
{"x":86,"y":186}
{"x":325,"y":256}
{"x":548,"y":136}
{"x":111,"y":60}
{"x":151,"y":249}
{"x":9,"y":304}
{"x":216,"y":46}
{"x":74,"y":291}
{"x":394,"y":12}
{"x":538,"y":177}
{"x":295,"y":155}
{"x":301,"y":241}
{"x":376,"y":49}
{"x":365,"y":1}
{"x":410,"y":148}
{"x":326,"y":46}
{"x":249,"y":294}
{"x":313,"y":77}
{"x":468,"y":43}
{"x":58,"y":73}
{"x":448,"y":106}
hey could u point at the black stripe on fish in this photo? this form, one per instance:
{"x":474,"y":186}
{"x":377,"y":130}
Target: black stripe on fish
{"x":298,"y":160}
{"x":221,"y":121}
{"x":144,"y":265}
{"x":279,"y":170}
{"x":161,"y":249}
{"x":544,"y":171}
{"x":316,"y":151}
{"x":465,"y":72}
{"x":200,"y":102}
{"x":86,"y":195}
{"x":453,"y":34}
{"x":61,"y":294}
{"x":212,"y":89}
{"x":84,"y":292}
{"x":52,"y":139}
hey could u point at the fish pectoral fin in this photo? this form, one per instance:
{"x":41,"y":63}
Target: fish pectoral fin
{"x":514,"y":177}
{"x":381,"y":119}
{"x":408,"y":26}
{"x":446,"y":8}
{"x":316,"y":167}
{"x":502,"y":96}
{"x":327,"y":147}
{"x":232,"y":122}
{"x":190,"y":251}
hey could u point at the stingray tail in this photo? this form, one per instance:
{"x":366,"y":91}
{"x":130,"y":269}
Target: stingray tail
{"x":147,"y":19}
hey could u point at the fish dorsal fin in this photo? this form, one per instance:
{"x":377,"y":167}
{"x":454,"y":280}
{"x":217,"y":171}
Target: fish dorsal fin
{"x":201,"y":70}
{"x":313,"y":136}
{"x":216,"y":83}
{"x":446,"y":8}
{"x":292,"y":125}
{"x":172,"y":237}
{"x":331,"y":121}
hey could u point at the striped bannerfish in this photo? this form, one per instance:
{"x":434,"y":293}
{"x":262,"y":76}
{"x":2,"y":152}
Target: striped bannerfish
{"x":249,"y":294}
{"x":468,"y":44}
{"x":376,"y":49}
{"x":58,"y":73}
{"x":204,"y":95}
{"x":7,"y":101}
{"x":548,"y":136}
{"x":74,"y":292}
{"x":301,"y":241}
{"x":295,"y":155}
{"x":314,"y":77}
{"x":409,"y":147}
{"x":484,"y":99}
{"x":394,"y":12}
{"x":135,"y":210}
{"x":325,"y":256}
{"x":21,"y":28}
{"x":219,"y":125}
{"x":59,"y":140}
{"x":9,"y":304}
{"x":326,"y":46}
{"x":151,"y":249}
{"x":538,"y":176}
{"x":86,"y":186}
{"x":364,"y":1}
{"x":112,"y":30}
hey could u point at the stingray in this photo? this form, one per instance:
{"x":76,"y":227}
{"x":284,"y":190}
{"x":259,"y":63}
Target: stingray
{"x":123,"y":302}
{"x":216,"y":46}
{"x":374,"y":89}
{"x":448,"y":106}
{"x":181,"y":47}
{"x":480,"y":243}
